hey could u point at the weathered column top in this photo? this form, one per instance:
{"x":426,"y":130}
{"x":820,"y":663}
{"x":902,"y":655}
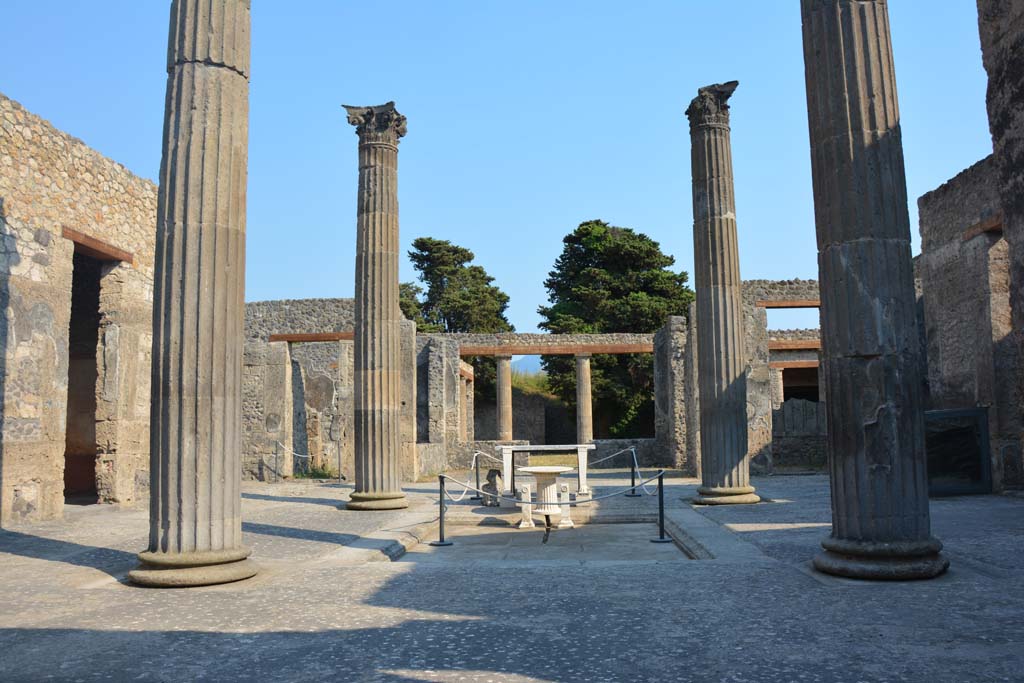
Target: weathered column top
{"x":380,"y":124}
{"x":709,"y":109}
{"x":210,"y":34}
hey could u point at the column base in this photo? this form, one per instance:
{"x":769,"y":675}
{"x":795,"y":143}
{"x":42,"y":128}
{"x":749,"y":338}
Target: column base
{"x":182,"y":570}
{"x":899,"y":561}
{"x":726,"y":495}
{"x":377,"y":501}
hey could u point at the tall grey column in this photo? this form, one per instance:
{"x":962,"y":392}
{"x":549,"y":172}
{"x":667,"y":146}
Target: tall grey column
{"x":721,"y":357}
{"x":504,"y":398}
{"x":195,"y":535}
{"x":584,"y":406}
{"x":378,"y":399}
{"x":870,"y":349}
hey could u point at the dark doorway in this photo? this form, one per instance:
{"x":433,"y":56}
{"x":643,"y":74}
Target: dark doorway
{"x":800,"y":383}
{"x":83,"y":337}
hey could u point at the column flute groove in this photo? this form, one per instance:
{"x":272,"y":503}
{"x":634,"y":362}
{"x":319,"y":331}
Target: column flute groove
{"x":870,"y":350}
{"x":725,"y":468}
{"x":195,"y":437}
{"x":377,"y":354}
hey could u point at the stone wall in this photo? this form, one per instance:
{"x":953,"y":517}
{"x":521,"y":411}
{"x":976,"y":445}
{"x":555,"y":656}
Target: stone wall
{"x":780,"y":290}
{"x":649,"y":453}
{"x":670,"y":428}
{"x":322,"y":406}
{"x":516,"y":338}
{"x":536,"y":419}
{"x":1001,"y":29}
{"x":437,"y":403}
{"x":267,"y":411}
{"x":759,"y":376}
{"x":50,"y":181}
{"x":808,"y":334}
{"x":965,"y":284}
{"x":264,"y":318}
{"x":799,"y":429}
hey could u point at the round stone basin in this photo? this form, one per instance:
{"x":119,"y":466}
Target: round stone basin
{"x":547,"y":487}
{"x":545,"y":469}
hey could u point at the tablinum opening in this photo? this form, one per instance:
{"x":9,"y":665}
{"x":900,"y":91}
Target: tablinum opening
{"x":83,"y":335}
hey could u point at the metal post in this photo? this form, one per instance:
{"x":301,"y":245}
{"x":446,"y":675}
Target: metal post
{"x":632,"y":477}
{"x":662,"y":538}
{"x":440,"y":504}
{"x":476,"y":463}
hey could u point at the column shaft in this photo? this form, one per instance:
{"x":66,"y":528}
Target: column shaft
{"x":504,"y":398}
{"x":195,"y":430}
{"x":870,"y":351}
{"x":584,"y":407}
{"x":377,"y":352}
{"x":721,"y":357}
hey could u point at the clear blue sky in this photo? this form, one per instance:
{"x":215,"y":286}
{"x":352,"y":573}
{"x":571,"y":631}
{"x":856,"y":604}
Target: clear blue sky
{"x":525,"y":119}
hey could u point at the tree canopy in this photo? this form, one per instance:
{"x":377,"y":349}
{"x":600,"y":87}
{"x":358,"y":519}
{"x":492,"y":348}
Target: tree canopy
{"x":611,"y":279}
{"x":459,"y":297}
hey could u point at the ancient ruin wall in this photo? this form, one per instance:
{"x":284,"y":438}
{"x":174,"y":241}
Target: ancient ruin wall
{"x":549,"y":340}
{"x":759,"y":377}
{"x":965,"y":283}
{"x":812,"y":334}
{"x":50,"y":181}
{"x":1001,"y":29}
{"x":288,"y":316}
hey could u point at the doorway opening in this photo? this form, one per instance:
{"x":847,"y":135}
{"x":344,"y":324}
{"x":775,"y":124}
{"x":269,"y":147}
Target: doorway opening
{"x":80,"y":446}
{"x":800,"y":383}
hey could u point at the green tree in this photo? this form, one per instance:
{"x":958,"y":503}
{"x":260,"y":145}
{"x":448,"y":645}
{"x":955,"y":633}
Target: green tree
{"x":610,"y":279}
{"x":458,"y":297}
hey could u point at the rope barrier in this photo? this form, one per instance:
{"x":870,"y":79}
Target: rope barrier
{"x":642,"y":484}
{"x":486,"y":455}
{"x":598,"y":462}
{"x":295,"y":453}
{"x":516,"y":501}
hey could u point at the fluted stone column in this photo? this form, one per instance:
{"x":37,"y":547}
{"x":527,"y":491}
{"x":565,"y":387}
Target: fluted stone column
{"x":721,"y":357}
{"x":584,"y":406}
{"x":378,"y":320}
{"x":195,"y":533}
{"x":504,"y":398}
{"x":870,"y":349}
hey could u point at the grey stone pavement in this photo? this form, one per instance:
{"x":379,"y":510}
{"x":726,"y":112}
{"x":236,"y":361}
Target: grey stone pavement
{"x":596,"y":603}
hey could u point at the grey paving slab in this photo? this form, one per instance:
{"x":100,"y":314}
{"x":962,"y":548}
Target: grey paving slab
{"x":758,"y":615}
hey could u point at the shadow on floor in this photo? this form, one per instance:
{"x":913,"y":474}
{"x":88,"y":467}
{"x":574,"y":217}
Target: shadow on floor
{"x":299,"y":534}
{"x":333,"y":502}
{"x":108,"y":560}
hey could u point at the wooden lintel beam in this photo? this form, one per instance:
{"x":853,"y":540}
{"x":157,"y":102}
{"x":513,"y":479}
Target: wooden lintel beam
{"x":97,"y":249}
{"x":551,"y":350}
{"x":789,"y":364}
{"x":794,"y":344}
{"x":312,"y":336}
{"x":993,"y":223}
{"x":788,"y":303}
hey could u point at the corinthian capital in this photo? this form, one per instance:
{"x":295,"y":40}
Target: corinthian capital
{"x":381,"y":123}
{"x":709,"y":107}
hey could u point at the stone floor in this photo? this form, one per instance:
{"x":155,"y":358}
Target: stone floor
{"x":330,"y":605}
